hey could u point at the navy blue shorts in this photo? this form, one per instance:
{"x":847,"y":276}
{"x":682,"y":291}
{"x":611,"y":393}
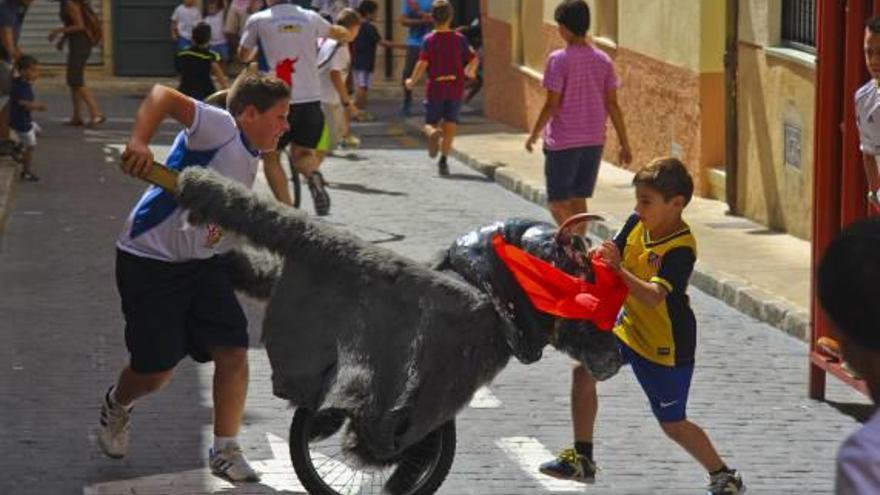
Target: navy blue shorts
{"x":571,"y":173}
{"x":667,"y":387}
{"x":176,"y":309}
{"x":445,"y":110}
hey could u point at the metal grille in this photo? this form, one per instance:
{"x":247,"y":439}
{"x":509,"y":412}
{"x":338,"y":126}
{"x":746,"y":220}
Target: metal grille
{"x":799,"y":24}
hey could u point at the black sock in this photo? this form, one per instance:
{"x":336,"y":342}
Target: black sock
{"x":585,"y":449}
{"x":724,"y":469}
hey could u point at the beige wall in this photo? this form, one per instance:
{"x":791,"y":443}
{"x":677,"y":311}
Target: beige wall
{"x":773,"y":90}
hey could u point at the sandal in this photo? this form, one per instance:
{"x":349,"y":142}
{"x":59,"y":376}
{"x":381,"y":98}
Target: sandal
{"x":96,"y":121}
{"x":26,"y":176}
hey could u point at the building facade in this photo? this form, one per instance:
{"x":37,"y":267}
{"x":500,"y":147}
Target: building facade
{"x":714,"y":82}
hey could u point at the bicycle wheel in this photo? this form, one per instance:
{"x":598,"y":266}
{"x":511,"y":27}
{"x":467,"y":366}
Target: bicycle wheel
{"x":325,"y":468}
{"x":295,"y":188}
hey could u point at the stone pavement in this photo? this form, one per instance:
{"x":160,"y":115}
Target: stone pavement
{"x":764,"y":274}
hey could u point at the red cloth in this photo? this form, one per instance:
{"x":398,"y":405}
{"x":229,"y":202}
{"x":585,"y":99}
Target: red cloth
{"x":555,"y":292}
{"x":285,"y":70}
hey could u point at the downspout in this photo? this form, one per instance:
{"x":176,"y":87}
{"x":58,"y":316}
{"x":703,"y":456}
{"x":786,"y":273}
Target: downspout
{"x":731,"y":169}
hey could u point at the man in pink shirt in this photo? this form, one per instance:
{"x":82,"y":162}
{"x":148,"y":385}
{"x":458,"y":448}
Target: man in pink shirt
{"x":581,"y":92}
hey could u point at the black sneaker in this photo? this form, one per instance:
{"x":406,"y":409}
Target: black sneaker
{"x":26,"y":176}
{"x":725,"y":483}
{"x":318,"y":188}
{"x":443,"y":167}
{"x":570,"y":465}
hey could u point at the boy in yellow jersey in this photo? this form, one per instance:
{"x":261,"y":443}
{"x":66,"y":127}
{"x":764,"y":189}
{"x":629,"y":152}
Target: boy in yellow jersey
{"x":654,"y":253}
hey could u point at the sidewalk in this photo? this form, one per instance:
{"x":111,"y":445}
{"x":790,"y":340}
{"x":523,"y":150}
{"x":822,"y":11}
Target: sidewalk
{"x":762,"y":273}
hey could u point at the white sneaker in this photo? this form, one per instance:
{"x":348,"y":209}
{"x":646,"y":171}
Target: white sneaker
{"x":726,"y":483}
{"x":115,"y":427}
{"x":230,"y":463}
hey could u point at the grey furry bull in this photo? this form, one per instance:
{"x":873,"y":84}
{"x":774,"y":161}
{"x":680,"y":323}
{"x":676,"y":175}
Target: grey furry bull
{"x":401,"y":348}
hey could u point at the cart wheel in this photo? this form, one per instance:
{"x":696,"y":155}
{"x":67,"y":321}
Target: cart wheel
{"x":324,"y":468}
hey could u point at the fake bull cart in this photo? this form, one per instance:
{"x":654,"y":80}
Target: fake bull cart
{"x":379,"y":353}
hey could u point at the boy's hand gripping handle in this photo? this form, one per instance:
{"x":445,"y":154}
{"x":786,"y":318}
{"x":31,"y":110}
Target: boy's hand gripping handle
{"x":163,"y":177}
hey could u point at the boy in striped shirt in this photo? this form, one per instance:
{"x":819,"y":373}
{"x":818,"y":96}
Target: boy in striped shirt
{"x":447,"y":58}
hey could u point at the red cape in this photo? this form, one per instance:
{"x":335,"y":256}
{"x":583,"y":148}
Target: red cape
{"x":557,"y":293}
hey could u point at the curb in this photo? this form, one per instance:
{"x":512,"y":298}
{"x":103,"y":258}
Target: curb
{"x":8,"y":170}
{"x":733,"y":291}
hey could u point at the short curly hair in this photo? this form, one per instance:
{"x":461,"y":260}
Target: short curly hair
{"x":668,"y":176}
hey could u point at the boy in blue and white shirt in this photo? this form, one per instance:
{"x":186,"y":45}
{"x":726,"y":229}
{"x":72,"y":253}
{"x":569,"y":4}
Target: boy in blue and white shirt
{"x":176,"y":297}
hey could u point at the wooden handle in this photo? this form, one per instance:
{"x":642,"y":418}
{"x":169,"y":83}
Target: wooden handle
{"x":163,"y":177}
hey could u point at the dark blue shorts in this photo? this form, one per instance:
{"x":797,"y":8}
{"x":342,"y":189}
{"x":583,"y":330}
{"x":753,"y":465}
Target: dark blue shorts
{"x":445,"y":110}
{"x":176,"y":309}
{"x":667,"y":387}
{"x":571,"y":173}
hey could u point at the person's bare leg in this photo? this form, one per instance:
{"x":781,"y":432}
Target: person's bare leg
{"x":305,"y":160}
{"x":230,"y":389}
{"x":577,"y":206}
{"x":132,"y":385}
{"x":695,"y":441}
{"x":360,"y":98}
{"x":276,"y":177}
{"x":4,"y":123}
{"x":560,"y":210}
{"x":77,"y":106}
{"x":449,"y":130}
{"x":26,"y":159}
{"x":91,"y":103}
{"x":584,"y":404}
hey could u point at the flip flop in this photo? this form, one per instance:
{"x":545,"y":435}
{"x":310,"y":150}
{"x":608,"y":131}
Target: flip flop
{"x":95,"y":122}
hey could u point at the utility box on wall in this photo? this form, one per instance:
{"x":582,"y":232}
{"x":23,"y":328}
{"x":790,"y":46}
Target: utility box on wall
{"x":142,"y":43}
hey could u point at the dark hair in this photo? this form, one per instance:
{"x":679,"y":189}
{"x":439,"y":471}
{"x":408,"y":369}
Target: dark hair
{"x":348,"y":18}
{"x":260,"y":90}
{"x":368,"y":7}
{"x":847,"y":282}
{"x":873,"y":25}
{"x":201,"y":34}
{"x":668,"y":176}
{"x":573,"y":15}
{"x":441,"y":11}
{"x":25,"y":62}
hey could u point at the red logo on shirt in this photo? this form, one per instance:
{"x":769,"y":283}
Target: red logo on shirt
{"x":285,"y":70}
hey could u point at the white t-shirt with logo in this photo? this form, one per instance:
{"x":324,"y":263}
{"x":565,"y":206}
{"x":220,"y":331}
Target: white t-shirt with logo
{"x":868,"y":117}
{"x":186,"y":19}
{"x":332,"y":56}
{"x":287,"y":37}
{"x":157,"y":227}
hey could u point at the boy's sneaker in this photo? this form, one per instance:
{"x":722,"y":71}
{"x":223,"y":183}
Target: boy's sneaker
{"x":443,"y":167}
{"x":434,"y":142}
{"x":318,"y":189}
{"x":725,"y":483}
{"x":115,"y":427}
{"x":570,"y":465}
{"x":351,"y":142}
{"x":231,"y":464}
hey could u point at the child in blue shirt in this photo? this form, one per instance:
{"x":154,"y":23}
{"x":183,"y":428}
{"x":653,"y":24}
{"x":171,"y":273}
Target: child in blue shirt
{"x":21,"y":104}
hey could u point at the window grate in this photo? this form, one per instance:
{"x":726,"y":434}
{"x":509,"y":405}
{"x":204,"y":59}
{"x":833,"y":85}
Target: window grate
{"x":799,"y":24}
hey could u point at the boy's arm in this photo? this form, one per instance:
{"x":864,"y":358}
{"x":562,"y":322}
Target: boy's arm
{"x":617,"y":120}
{"x":417,"y":73}
{"x":174,"y":33}
{"x":161,"y":102}
{"x":339,"y":33}
{"x":34,"y":106}
{"x":342,"y":90}
{"x":648,"y":292}
{"x":219,"y":75}
{"x":277,"y":180}
{"x":551,"y":106}
{"x":470,"y":70}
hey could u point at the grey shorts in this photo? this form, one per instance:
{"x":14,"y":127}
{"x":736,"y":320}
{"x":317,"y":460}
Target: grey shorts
{"x":571,"y":173}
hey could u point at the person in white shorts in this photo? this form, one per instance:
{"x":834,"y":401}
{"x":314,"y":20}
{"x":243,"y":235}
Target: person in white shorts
{"x":287,"y":36}
{"x":334,"y":62}
{"x":22,"y":103}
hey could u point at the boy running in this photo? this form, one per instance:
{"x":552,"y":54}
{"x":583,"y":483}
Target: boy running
{"x":334,"y":63}
{"x":197,"y":64}
{"x":287,"y":36}
{"x":654,"y":253}
{"x":448,"y":59}
{"x":176,"y":297}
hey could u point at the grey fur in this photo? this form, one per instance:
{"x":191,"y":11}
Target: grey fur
{"x":353,"y":326}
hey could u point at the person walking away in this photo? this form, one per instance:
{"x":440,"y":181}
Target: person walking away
{"x":364,"y":57}
{"x":448,"y":59}
{"x":418,"y":21}
{"x":334,"y":61}
{"x":81,"y":31}
{"x":197,"y":64}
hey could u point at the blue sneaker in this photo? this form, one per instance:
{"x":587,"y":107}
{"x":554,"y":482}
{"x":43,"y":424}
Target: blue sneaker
{"x":570,"y":465}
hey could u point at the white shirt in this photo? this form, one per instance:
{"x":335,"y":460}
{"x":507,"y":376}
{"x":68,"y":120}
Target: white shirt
{"x":186,"y":19}
{"x":218,"y":37}
{"x":858,"y":461}
{"x":157,"y":227}
{"x":339,"y":60}
{"x":868,"y":117}
{"x":287,"y":36}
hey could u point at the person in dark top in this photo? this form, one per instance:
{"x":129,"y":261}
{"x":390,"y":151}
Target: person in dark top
{"x":21,"y":104}
{"x":196,"y":65}
{"x":364,"y":56}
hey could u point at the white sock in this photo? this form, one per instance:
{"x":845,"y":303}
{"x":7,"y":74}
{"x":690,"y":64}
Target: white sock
{"x":116,"y":403}
{"x":220,"y":443}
